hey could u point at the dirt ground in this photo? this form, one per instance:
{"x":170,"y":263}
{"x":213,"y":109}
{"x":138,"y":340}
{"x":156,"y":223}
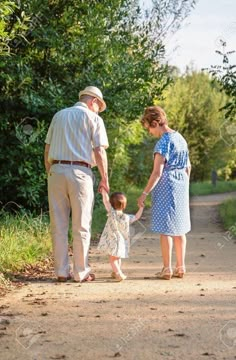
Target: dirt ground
{"x":140,"y":318}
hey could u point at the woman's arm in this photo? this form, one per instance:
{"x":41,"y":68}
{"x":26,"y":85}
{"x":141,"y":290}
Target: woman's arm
{"x":159,"y":162}
{"x":105,"y":199}
{"x":188,"y":168}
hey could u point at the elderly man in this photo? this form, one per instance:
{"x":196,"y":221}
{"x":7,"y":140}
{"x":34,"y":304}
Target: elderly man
{"x":75,"y":142}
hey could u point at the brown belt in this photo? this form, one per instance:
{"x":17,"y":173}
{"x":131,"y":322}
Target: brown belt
{"x":67,"y":162}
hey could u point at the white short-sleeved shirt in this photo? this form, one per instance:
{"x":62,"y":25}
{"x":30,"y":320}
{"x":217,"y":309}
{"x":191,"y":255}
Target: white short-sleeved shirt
{"x":73,"y":134}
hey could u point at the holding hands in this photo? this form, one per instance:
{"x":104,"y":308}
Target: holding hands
{"x":141,"y":199}
{"x":121,"y":206}
{"x":103,"y":186}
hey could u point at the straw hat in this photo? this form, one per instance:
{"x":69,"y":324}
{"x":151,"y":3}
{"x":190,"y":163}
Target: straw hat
{"x":94,"y":91}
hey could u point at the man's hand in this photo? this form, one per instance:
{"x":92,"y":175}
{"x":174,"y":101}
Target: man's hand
{"x":105,"y":199}
{"x":105,"y":185}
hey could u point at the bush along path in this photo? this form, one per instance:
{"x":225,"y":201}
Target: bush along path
{"x":141,"y":317}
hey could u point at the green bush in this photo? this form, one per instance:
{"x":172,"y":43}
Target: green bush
{"x":24,"y":239}
{"x":228,"y":215}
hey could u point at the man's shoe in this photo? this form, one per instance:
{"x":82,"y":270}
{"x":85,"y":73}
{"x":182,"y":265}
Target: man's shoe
{"x":63,"y":278}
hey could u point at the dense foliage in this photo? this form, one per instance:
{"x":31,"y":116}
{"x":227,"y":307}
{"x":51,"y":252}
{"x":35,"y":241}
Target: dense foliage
{"x":57,"y":47}
{"x":225,"y":75}
{"x":11,"y":33}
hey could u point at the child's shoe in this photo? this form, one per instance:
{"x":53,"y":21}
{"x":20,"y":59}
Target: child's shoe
{"x":113,"y":275}
{"x":120,"y":277}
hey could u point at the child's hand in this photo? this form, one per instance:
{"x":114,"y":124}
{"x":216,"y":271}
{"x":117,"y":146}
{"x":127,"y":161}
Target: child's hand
{"x":140,"y":212}
{"x":103,"y":191}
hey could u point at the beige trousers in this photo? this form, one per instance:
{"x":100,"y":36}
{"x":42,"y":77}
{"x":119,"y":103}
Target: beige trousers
{"x":70,"y":190}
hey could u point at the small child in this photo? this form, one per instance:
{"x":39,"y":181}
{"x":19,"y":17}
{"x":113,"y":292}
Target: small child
{"x":115,"y":239}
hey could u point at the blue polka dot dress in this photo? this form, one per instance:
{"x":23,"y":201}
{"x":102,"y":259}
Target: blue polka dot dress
{"x":170,"y":197}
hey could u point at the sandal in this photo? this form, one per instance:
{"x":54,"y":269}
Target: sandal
{"x":165,"y":274}
{"x":179,"y":272}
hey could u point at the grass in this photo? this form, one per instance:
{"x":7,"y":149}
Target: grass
{"x":206,"y":188}
{"x":228,"y":216}
{"x":24,"y":239}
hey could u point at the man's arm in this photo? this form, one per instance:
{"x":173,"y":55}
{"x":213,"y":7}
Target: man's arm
{"x":101,"y":160}
{"x":106,"y":201}
{"x":46,"y":163}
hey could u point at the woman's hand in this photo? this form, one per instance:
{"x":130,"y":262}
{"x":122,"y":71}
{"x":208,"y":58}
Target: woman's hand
{"x":141,"y":200}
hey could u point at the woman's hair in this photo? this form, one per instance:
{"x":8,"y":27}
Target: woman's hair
{"x":154,"y":113}
{"x":118,"y":200}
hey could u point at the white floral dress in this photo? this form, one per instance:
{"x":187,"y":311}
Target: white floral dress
{"x":115,"y":238}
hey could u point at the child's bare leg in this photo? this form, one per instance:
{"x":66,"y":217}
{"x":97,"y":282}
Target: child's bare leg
{"x":114,"y":261}
{"x":115,"y":264}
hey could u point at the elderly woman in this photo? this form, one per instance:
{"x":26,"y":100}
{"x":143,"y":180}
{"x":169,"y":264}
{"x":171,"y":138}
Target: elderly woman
{"x":169,"y":184}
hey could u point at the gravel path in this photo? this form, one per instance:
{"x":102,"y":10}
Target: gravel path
{"x":140,"y":318}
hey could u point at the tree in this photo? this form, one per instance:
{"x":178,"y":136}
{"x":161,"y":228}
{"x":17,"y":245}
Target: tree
{"x":225,"y":75}
{"x":68,"y":45}
{"x":193,"y":108}
{"x":192,"y":105}
{"x":10,"y":33}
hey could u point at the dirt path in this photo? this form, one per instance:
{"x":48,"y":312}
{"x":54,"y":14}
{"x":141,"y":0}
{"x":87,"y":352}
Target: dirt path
{"x":141,"y":318}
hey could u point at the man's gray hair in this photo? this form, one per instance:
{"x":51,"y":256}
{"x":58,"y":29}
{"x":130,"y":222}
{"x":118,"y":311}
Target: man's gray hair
{"x":85,"y":98}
